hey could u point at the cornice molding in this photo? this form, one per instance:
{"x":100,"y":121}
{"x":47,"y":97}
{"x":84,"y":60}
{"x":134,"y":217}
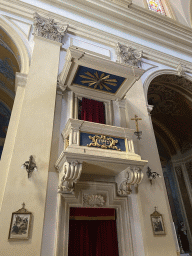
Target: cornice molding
{"x":79,"y":29}
{"x":136,"y":20}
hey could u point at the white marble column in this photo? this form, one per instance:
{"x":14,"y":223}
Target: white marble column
{"x":122,"y":112}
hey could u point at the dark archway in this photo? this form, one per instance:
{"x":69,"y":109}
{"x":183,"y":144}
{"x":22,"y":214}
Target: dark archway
{"x":9,"y":65}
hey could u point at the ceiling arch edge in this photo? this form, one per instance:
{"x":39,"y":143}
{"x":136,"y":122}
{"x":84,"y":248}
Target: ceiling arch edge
{"x":157,"y":73}
{"x":20,"y":42}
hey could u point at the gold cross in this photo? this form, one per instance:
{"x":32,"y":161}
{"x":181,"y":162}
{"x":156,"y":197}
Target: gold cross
{"x":136,"y":122}
{"x":23,"y":204}
{"x":155,"y":208}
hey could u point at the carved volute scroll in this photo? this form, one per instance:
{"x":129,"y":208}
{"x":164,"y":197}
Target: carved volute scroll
{"x":126,"y":178}
{"x":48,"y":28}
{"x":70,"y":173}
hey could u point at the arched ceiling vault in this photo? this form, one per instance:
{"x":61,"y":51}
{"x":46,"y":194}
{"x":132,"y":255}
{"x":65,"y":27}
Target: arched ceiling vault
{"x":172,"y":112}
{"x":166,"y":135}
{"x":177,"y":83}
{"x":9,"y":65}
{"x":157,"y":135}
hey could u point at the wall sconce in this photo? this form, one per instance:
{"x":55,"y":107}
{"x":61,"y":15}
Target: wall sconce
{"x":152,"y":175}
{"x":30,"y":166}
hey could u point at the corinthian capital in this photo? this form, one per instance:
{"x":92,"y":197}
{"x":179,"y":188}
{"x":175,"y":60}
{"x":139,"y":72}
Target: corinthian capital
{"x":128,"y":55}
{"x":48,"y":28}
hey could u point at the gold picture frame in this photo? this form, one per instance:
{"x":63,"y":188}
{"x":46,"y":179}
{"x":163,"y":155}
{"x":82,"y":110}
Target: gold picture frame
{"x":20,"y":224}
{"x":157,"y":223}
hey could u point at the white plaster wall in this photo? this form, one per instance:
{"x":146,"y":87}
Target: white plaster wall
{"x":139,"y":2}
{"x":181,"y":9}
{"x":80,"y":42}
{"x":137,"y":237}
{"x":49,"y":227}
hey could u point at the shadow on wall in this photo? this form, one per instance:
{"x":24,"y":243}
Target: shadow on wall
{"x":4,"y":122}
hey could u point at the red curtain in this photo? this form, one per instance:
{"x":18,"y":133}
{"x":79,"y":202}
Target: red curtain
{"x":93,"y":111}
{"x":92,"y":238}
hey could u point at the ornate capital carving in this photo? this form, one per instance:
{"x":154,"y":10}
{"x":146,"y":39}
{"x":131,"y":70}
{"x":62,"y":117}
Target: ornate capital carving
{"x":180,"y":70}
{"x":93,"y":200}
{"x":149,"y":109}
{"x":71,"y":173}
{"x":128,"y":177}
{"x":128,"y":55}
{"x":48,"y":28}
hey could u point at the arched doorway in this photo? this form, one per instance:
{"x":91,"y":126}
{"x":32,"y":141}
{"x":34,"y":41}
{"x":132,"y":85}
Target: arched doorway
{"x":9,"y":65}
{"x":171,"y":98}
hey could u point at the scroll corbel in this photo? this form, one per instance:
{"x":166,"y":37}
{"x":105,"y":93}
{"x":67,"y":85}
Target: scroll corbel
{"x":70,"y":174}
{"x":127,"y":178}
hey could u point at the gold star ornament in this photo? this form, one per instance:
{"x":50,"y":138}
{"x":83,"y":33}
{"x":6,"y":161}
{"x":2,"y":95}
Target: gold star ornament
{"x":94,"y":81}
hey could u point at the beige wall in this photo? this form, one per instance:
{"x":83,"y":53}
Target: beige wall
{"x":32,"y":137}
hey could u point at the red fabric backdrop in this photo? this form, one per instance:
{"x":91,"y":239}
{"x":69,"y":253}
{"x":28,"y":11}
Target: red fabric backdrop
{"x":93,"y":111}
{"x":92,"y":237}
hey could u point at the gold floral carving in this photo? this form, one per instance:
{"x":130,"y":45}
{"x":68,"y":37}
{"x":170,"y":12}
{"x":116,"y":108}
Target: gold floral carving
{"x":104,"y":142}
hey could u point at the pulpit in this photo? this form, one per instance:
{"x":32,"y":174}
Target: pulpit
{"x":108,"y":148}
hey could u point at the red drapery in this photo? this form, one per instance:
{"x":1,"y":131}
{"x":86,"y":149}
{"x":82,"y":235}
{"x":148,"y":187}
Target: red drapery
{"x":93,"y":111}
{"x":92,"y":237}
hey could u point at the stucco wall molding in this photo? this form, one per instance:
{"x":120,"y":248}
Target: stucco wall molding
{"x":85,"y":31}
{"x":135,"y":20}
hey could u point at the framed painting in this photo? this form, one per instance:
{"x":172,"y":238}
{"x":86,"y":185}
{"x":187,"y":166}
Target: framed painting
{"x":157,"y":223}
{"x":20,"y":224}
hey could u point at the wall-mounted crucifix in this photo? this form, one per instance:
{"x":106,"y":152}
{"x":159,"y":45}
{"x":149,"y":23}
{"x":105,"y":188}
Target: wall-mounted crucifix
{"x":137,"y":133}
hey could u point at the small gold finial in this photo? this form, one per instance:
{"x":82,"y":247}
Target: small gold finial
{"x":23,"y":204}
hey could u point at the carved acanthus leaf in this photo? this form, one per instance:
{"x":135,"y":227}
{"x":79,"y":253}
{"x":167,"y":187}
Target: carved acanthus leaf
{"x":48,"y":28}
{"x":128,"y":55}
{"x":93,"y":200}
